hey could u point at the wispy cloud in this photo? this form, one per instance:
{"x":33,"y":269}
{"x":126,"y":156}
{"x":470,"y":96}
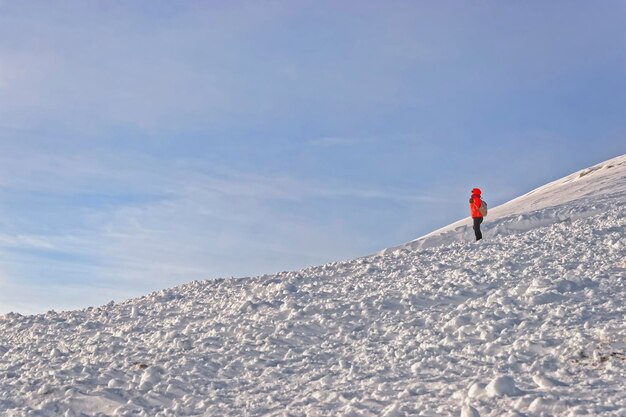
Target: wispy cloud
{"x":334,"y":141}
{"x":389,"y":195}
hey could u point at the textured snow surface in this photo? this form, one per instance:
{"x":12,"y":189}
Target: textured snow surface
{"x":528,"y":322}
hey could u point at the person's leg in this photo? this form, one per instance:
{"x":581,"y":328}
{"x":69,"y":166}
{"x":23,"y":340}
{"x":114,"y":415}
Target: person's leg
{"x":477,"y":232}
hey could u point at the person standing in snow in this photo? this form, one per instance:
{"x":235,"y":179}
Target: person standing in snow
{"x":475,"y":212}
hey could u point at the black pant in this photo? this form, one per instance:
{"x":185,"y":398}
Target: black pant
{"x":477,"y":222}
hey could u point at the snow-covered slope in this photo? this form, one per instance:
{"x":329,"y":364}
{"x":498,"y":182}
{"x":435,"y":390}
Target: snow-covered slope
{"x":576,"y":196}
{"x":530,"y":323}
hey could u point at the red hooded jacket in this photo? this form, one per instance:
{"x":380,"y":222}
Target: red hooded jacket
{"x":475,"y":203}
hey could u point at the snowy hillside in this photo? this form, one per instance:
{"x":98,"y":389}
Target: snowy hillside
{"x":528,"y":322}
{"x":576,"y":196}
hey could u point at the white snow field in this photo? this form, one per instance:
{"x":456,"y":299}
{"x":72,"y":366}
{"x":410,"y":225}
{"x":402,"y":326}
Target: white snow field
{"x":528,"y":322}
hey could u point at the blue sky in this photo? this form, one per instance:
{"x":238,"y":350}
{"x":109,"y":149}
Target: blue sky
{"x":146,"y":144}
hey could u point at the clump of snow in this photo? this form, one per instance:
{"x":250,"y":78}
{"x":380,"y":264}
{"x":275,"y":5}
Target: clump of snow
{"x":546,"y":382}
{"x":502,"y":385}
{"x":528,"y":323}
{"x":469,"y":411}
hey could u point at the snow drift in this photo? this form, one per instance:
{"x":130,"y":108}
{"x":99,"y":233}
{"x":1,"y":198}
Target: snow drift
{"x":528,"y":322}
